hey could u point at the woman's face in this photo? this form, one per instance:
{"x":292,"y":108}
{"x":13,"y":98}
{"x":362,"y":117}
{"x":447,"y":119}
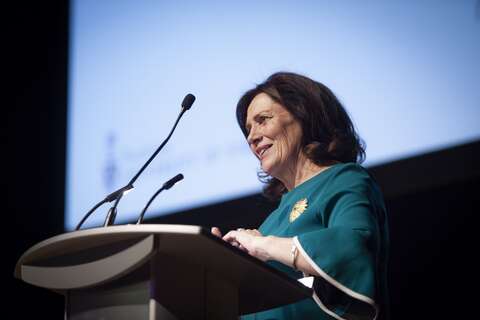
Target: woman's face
{"x":274,"y":135}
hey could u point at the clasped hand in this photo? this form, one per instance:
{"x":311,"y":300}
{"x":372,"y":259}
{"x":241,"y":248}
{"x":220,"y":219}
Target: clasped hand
{"x":248,"y":240}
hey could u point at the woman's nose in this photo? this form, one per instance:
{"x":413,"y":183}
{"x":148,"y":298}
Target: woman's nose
{"x":253,"y":137}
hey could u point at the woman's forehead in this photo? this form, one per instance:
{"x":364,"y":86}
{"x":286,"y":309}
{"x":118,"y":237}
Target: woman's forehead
{"x":260,"y":103}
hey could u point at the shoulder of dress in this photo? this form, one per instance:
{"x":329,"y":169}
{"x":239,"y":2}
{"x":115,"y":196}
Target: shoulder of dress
{"x":350,"y":170}
{"x":351,"y":176}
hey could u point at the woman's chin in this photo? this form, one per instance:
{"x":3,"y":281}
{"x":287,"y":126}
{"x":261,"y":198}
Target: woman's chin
{"x":265,"y":168}
{"x":268,"y":168}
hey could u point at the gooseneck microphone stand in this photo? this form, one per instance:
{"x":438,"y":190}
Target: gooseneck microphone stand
{"x":167,"y":185}
{"x":117,"y":195}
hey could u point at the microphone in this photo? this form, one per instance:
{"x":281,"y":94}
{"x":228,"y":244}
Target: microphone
{"x":118,"y":194}
{"x":167,"y":185}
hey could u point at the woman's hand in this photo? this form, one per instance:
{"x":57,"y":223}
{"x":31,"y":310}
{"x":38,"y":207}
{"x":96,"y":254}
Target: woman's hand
{"x":266,"y":247}
{"x":216,"y":232}
{"x":249,"y":240}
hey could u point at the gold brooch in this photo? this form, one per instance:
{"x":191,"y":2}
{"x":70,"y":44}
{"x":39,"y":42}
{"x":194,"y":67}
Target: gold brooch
{"x":298,"y":209}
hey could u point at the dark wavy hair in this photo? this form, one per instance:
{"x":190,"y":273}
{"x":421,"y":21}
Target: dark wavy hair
{"x":328,"y":134}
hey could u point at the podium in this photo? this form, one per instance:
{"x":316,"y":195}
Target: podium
{"x":155,"y":272}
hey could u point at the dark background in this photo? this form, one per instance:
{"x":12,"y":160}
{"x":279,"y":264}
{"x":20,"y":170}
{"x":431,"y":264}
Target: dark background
{"x":430,"y":198}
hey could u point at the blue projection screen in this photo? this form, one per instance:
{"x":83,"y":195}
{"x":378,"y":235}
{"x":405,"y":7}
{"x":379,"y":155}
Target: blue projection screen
{"x":408,"y":74}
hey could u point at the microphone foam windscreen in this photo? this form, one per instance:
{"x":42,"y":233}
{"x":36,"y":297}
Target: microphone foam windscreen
{"x":188,"y":101}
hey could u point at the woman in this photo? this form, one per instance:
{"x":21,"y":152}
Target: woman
{"x":331,"y":221}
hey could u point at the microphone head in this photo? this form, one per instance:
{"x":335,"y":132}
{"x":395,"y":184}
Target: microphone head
{"x":177,"y":178}
{"x":188,"y":101}
{"x":167,"y":185}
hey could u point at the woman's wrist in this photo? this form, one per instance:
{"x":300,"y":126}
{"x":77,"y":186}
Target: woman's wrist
{"x":277,"y":248}
{"x":265,"y":246}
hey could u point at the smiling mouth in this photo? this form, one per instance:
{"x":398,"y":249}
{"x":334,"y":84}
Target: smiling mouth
{"x":262,"y":152}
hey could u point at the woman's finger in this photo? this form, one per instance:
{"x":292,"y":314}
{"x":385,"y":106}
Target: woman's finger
{"x":230,"y":236}
{"x":243,"y":248}
{"x":216,"y":232}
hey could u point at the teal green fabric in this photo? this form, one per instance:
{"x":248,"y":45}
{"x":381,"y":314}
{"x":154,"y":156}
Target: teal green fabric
{"x":344,"y":232}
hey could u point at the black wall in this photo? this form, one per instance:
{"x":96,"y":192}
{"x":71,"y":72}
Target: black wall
{"x":37,"y":65}
{"x":431,"y":198}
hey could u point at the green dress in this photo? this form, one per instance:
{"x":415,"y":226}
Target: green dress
{"x":338,"y":222}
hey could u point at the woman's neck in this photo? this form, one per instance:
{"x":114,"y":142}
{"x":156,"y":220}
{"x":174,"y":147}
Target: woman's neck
{"x":302,"y":170}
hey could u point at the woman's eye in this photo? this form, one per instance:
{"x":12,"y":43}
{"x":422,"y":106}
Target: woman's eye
{"x":262,"y":119}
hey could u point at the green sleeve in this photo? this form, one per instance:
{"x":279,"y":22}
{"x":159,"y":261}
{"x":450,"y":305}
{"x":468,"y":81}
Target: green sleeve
{"x":344,"y":252}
